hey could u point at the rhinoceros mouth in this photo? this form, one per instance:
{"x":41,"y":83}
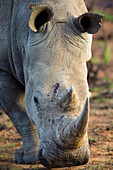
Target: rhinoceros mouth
{"x":58,"y":157}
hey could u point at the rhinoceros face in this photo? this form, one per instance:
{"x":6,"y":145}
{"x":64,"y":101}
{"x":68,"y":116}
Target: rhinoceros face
{"x":59,"y":45}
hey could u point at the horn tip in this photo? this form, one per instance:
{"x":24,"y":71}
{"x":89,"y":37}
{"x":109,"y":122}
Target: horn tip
{"x":86,"y":102}
{"x":70,"y":88}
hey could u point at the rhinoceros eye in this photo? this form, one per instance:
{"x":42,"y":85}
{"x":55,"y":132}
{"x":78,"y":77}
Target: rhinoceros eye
{"x":36,"y":102}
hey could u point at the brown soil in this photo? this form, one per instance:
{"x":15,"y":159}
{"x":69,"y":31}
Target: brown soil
{"x":101,"y":114}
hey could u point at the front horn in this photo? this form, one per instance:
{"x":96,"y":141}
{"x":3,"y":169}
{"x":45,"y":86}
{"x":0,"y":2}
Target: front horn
{"x":74,"y":134}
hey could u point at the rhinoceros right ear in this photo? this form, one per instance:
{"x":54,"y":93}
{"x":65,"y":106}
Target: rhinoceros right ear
{"x":40,"y":15}
{"x":89,"y":22}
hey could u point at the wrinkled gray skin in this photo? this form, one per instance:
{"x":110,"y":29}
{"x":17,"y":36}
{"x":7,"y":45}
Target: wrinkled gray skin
{"x":43,"y":80}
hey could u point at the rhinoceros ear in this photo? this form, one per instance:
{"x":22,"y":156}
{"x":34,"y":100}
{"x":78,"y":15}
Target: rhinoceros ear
{"x":89,"y":22}
{"x":40,"y":15}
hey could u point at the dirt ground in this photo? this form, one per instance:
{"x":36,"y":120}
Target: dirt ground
{"x":100,"y":129}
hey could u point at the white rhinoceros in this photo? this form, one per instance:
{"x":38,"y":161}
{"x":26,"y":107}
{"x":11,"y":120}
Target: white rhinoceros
{"x":44,"y":47}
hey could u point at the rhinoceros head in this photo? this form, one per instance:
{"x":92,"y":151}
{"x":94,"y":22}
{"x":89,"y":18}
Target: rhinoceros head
{"x":59,"y":45}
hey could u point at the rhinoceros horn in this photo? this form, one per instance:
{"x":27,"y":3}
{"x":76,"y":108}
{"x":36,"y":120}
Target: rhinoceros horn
{"x":68,"y":99}
{"x":74,"y":134}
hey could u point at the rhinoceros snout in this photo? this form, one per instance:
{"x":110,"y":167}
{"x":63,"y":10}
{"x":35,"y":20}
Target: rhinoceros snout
{"x":63,"y":146}
{"x":64,"y":158}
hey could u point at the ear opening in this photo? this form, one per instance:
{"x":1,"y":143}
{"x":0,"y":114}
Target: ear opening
{"x":41,"y":14}
{"x":42,"y":18}
{"x":89,"y":22}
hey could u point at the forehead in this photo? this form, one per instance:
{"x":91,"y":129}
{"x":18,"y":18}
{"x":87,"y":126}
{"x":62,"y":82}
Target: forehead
{"x":62,"y":7}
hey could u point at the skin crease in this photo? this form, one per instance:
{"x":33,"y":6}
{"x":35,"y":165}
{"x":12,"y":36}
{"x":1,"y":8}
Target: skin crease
{"x":43,"y":81}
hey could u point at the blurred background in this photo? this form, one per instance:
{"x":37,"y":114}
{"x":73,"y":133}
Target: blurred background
{"x":100,"y":78}
{"x":101,"y":65}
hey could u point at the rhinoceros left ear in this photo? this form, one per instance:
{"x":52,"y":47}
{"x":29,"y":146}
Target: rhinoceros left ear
{"x":89,"y":22}
{"x":40,"y":15}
